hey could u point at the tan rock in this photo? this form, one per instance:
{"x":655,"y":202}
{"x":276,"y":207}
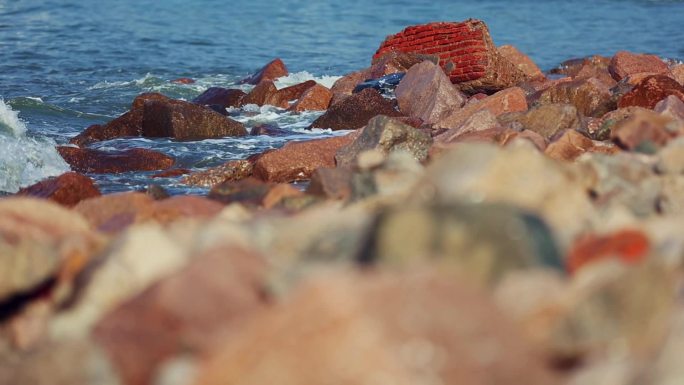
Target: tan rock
{"x":509,"y":100}
{"x":644,"y":131}
{"x":590,"y":96}
{"x":481,"y":120}
{"x":569,"y":146}
{"x":521,"y":61}
{"x":678,"y":73}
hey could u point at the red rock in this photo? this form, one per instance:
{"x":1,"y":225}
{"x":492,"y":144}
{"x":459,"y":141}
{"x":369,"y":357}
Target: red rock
{"x":186,"y":121}
{"x":223,"y":97}
{"x":100,"y":162}
{"x":231,"y":170}
{"x":115,"y":212}
{"x":332,"y":183}
{"x":282,"y":97}
{"x":521,"y":61}
{"x":344,"y":86}
{"x":626,"y":63}
{"x":184,"y":206}
{"x":465,"y":50}
{"x":569,"y":146}
{"x":481,"y":120}
{"x":271,"y":71}
{"x":590,"y":96}
{"x":628,"y":246}
{"x":678,"y":73}
{"x":316,"y":98}
{"x":650,"y":91}
{"x":426,"y":92}
{"x":395,"y":328}
{"x":173,"y":173}
{"x":355,"y":111}
{"x":509,"y":100}
{"x":394,"y":61}
{"x":268,"y":129}
{"x":186,"y":313}
{"x":183,"y":81}
{"x":261,"y":94}
{"x":66,"y":189}
{"x":298,"y":160}
{"x":591,"y":70}
{"x":128,"y":124}
{"x":644,"y":130}
{"x":573,"y":66}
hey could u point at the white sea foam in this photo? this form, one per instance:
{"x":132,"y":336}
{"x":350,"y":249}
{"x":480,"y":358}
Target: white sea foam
{"x":300,"y":77}
{"x":24,"y":160}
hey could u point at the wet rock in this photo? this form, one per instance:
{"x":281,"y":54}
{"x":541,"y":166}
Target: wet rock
{"x":223,"y":97}
{"x":427,"y":93}
{"x":282,"y":97}
{"x":481,"y":120}
{"x":395,"y":62}
{"x":546,"y":119}
{"x":249,"y":191}
{"x":350,"y":328}
{"x":590,"y":96}
{"x":156,"y":192}
{"x":650,"y":91}
{"x":66,"y":189}
{"x":187,"y":312}
{"x":355,"y":111}
{"x":298,"y":160}
{"x":183,"y":81}
{"x":521,"y":61}
{"x":101,"y":162}
{"x":344,"y":86}
{"x":384,"y":84}
{"x":628,"y":246}
{"x":387,"y":135}
{"x":644,"y":131}
{"x":331,"y":183}
{"x":172,"y":173}
{"x":271,"y":71}
{"x":625,"y":63}
{"x":126,"y":125}
{"x":569,"y":146}
{"x":509,"y":100}
{"x":186,"y":121}
{"x":231,"y":170}
{"x":260,"y":94}
{"x":267,"y":129}
{"x":316,"y":98}
{"x":465,"y":50}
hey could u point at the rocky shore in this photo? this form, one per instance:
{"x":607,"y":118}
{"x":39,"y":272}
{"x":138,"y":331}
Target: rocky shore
{"x":484,"y":222}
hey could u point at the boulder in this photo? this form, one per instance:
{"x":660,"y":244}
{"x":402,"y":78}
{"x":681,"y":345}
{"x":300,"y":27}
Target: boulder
{"x":269,"y":129}
{"x":101,"y":162}
{"x":115,"y":212}
{"x":509,"y":100}
{"x":67,"y":189}
{"x":426,"y":92}
{"x":355,"y":111}
{"x":298,"y":160}
{"x":521,"y":61}
{"x":590,"y":96}
{"x":172,"y":173}
{"x":316,"y":98}
{"x":572,"y":67}
{"x":186,"y":121}
{"x":644,"y":131}
{"x":592,"y":70}
{"x":384,"y":84}
{"x":271,"y":71}
{"x":248,"y":191}
{"x":546,"y":119}
{"x":625,"y":63}
{"x":678,"y":73}
{"x":599,"y":129}
{"x":181,"y":207}
{"x":331,"y":183}
{"x":280,"y":194}
{"x":344,"y":86}
{"x":229,"y":171}
{"x":465,"y":50}
{"x":482,"y":120}
{"x":650,"y":91}
{"x":261,"y":94}
{"x":223,"y":97}
{"x":570,"y":145}
{"x":395,"y":61}
{"x":387,"y":135}
{"x":672,"y":107}
{"x":282,"y":97}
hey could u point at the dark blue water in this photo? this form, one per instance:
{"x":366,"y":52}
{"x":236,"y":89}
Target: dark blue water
{"x":68,"y":64}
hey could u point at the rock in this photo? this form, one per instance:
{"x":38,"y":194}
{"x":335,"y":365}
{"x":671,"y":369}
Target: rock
{"x":331,"y":183}
{"x":509,"y":100}
{"x":645,"y":131}
{"x":521,"y":61}
{"x":482,"y":120}
{"x":591,"y":70}
{"x":101,"y":162}
{"x":268,"y":129}
{"x":248,"y":191}
{"x":282,"y":97}
{"x":599,"y":129}
{"x":156,"y":192}
{"x":672,"y":107}
{"x":184,"y":207}
{"x":650,"y":91}
{"x":678,"y":73}
{"x":625,"y":63}
{"x":260,"y":94}
{"x":384,"y":84}
{"x":387,"y":135}
{"x":569,"y":146}
{"x":186,"y":121}
{"x":172,"y":173}
{"x":590,"y":96}
{"x":271,"y":71}
{"x":512,"y":138}
{"x":671,"y":157}
{"x":280,"y":193}
{"x":223,"y":97}
{"x":316,"y":98}
{"x":395,"y":62}
{"x":465,"y":50}
{"x":344,"y":86}
{"x":573,"y":66}
{"x":128,"y":124}
{"x":231,"y":170}
{"x":351,"y":328}
{"x":427,"y":93}
{"x":628,"y":246}
{"x":114,"y":212}
{"x":183,"y":81}
{"x":187,"y":312}
{"x":546,"y":119}
{"x":298,"y":160}
{"x":355,"y":111}
{"x":66,"y":189}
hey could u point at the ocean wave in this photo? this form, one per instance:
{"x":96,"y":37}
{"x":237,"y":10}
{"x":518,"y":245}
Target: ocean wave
{"x":302,"y":76}
{"x":10,"y":122}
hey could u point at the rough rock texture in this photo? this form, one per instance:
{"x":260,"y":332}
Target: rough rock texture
{"x":282,"y":97}
{"x":344,"y":86}
{"x":644,"y":131}
{"x":481,"y":120}
{"x":521,"y":61}
{"x":355,"y":111}
{"x":261,"y":94}
{"x":394,"y":328}
{"x":223,"y":97}
{"x":590,"y":96}
{"x":271,"y":71}
{"x":624,"y":64}
{"x":394,"y":62}
{"x":572,"y":67}
{"x":231,"y":170}
{"x":465,"y":50}
{"x":315,"y":98}
{"x":545,"y":119}
{"x":672,"y":107}
{"x":569,"y":146}
{"x":650,"y":91}
{"x":101,"y":162}
{"x":186,"y":121}
{"x":509,"y":100}
{"x":248,"y":191}
{"x":425,"y":92}
{"x":332,"y":183}
{"x":385,"y":134}
{"x":298,"y":160}
{"x":678,"y":73}
{"x":66,"y":189}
